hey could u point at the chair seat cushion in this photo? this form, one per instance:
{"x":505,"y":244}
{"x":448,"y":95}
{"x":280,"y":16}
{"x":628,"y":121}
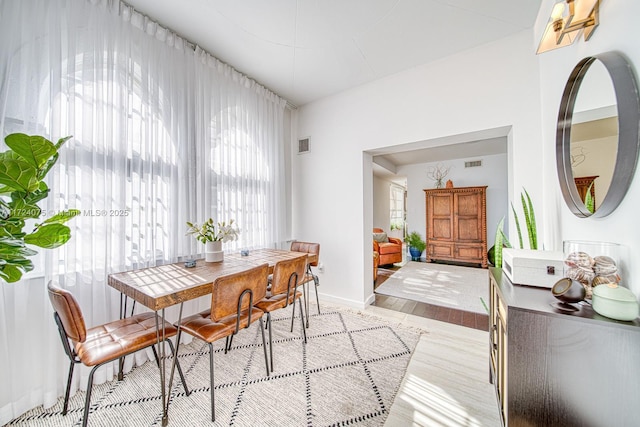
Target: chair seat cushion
{"x":119,"y":338}
{"x":306,"y":278}
{"x":203,"y":327}
{"x":274,"y":302}
{"x":389,"y":248}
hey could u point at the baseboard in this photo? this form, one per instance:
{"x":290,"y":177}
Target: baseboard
{"x":359,"y":305}
{"x":370,"y":300}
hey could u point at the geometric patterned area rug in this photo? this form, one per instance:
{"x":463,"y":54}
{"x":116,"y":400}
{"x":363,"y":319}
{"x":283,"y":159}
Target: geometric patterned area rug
{"x":452,"y":286}
{"x":348,"y":373}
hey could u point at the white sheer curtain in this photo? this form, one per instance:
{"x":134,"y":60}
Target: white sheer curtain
{"x":161,"y":135}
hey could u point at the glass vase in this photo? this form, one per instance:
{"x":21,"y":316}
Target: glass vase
{"x":592,"y":263}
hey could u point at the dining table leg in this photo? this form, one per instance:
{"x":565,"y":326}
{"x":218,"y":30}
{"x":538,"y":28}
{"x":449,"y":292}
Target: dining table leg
{"x":123,"y":314}
{"x":175,"y":358}
{"x":160,"y":338}
{"x":165,"y":390}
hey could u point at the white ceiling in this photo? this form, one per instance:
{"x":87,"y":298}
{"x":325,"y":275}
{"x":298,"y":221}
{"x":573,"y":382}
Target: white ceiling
{"x":304,"y":50}
{"x":386,"y":161}
{"x":476,"y":148}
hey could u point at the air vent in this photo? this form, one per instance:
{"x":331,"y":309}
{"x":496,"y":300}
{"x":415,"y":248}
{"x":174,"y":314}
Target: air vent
{"x":303,"y":145}
{"x":473,"y":164}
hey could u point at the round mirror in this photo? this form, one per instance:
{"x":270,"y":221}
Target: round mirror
{"x":594,"y":136}
{"x":597,"y":135}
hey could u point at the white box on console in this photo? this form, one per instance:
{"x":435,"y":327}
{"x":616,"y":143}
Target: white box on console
{"x":533,"y":268}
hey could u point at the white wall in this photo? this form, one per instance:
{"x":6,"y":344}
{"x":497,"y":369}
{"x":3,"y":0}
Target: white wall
{"x":381,"y":203}
{"x":488,"y":87}
{"x":492,"y":173}
{"x":619,"y":31}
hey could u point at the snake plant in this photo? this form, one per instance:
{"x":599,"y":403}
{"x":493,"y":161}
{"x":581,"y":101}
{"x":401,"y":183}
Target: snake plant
{"x":501,"y":241}
{"x":589,"y":203}
{"x":530,"y":221}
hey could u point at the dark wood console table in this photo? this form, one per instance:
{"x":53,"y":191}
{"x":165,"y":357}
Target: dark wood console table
{"x":552,"y":368}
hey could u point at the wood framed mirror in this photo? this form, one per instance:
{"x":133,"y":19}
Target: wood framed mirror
{"x":597,"y":136}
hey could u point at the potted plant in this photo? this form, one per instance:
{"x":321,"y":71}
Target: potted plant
{"x":23,"y":169}
{"x":213,"y":235}
{"x":416,"y":245}
{"x":397,"y":229}
{"x":501,"y":241}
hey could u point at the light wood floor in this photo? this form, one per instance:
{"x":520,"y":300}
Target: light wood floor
{"x":447,"y":380}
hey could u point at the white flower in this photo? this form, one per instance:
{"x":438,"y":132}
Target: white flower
{"x":212,"y":232}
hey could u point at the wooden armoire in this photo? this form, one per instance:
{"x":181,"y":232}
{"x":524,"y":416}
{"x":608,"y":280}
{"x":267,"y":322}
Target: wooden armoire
{"x":457,"y":225}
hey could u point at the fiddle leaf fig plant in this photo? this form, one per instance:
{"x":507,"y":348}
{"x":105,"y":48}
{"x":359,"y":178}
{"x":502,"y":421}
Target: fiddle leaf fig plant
{"x":23,"y":169}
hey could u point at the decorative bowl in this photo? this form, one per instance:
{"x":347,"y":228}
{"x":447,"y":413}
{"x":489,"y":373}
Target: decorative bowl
{"x":615,"y":302}
{"x":568,"y":290}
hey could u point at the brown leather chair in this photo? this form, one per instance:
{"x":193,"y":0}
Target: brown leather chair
{"x":232,"y":308}
{"x":390,"y":251}
{"x":102,"y":344}
{"x":310,"y":248}
{"x":284,"y":283}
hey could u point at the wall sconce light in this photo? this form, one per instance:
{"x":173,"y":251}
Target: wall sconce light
{"x":564,"y":28}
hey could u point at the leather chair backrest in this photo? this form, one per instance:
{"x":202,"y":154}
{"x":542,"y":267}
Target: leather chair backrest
{"x":227,"y":291}
{"x":310,"y":248}
{"x":69,"y":312}
{"x":283,"y":271}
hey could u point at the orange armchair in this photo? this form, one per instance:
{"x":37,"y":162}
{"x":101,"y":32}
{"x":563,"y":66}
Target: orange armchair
{"x":376,"y":262}
{"x":389,"y":248}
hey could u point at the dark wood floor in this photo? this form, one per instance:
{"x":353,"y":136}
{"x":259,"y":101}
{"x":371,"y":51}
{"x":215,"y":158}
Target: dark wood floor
{"x":444,"y":314}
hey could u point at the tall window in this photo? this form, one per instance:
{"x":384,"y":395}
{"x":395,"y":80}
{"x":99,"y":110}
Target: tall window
{"x":162,"y":134}
{"x":118,"y":168}
{"x":397,"y":211}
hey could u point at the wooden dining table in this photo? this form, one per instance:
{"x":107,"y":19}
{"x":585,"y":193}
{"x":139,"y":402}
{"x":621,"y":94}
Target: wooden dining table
{"x":167,"y":285}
